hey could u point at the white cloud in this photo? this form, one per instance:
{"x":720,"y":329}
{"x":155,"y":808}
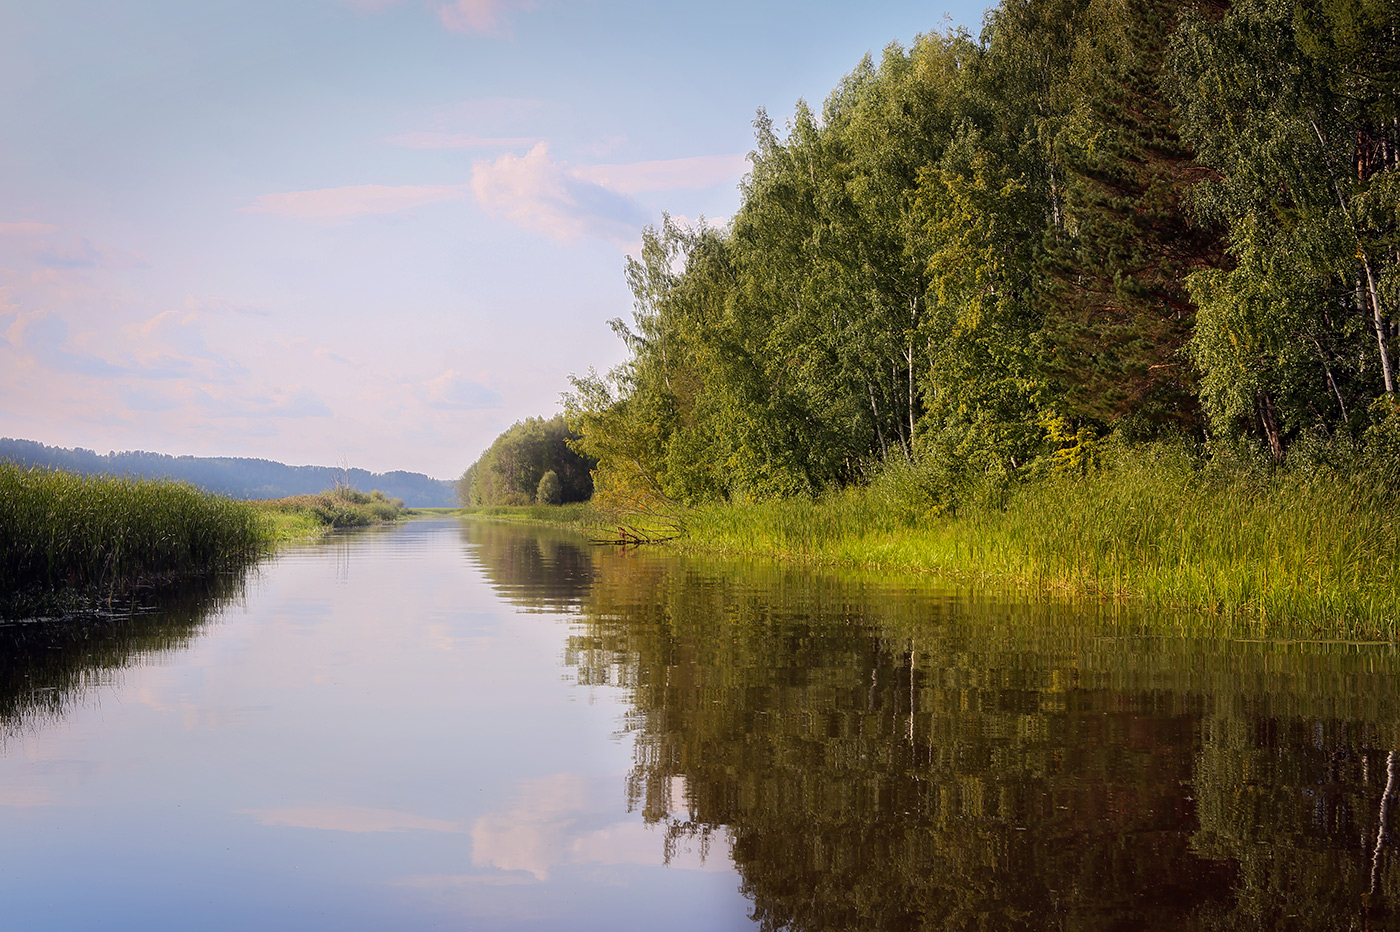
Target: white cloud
{"x":352,"y":201}
{"x":701,"y":171}
{"x":454,"y":391}
{"x":543,"y":195}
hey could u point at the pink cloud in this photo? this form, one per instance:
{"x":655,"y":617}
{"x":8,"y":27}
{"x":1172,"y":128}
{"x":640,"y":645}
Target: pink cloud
{"x":25,"y":228}
{"x":430,"y":140}
{"x":472,"y":15}
{"x":701,"y":171}
{"x":352,"y":201}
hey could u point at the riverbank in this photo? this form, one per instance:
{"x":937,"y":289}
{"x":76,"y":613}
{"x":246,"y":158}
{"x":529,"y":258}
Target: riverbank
{"x":1233,"y":547}
{"x":1229,"y":545}
{"x":302,"y":516}
{"x":71,"y":543}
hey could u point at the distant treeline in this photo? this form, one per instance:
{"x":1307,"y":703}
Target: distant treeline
{"x":984,"y":255}
{"x":236,"y":477}
{"x":533,"y":462}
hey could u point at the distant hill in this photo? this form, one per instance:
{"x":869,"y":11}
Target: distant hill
{"x":235,"y":476}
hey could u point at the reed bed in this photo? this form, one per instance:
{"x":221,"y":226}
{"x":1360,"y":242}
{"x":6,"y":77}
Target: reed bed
{"x":1309,"y":552}
{"x":99,"y":534}
{"x":342,"y":507}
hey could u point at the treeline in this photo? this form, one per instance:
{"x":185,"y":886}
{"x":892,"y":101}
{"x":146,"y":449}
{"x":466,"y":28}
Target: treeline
{"x":1148,"y":218}
{"x":532,"y":462}
{"x":236,"y":477}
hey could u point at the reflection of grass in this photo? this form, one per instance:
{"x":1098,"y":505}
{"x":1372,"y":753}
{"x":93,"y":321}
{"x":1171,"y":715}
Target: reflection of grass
{"x":1312,"y":549}
{"x":309,"y":515}
{"x":93,"y":536}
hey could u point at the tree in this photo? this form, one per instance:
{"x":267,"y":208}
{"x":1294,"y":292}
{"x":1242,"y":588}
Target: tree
{"x":550,"y":490}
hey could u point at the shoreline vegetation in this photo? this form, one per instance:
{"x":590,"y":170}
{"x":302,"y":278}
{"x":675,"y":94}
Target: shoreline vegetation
{"x":72,"y":544}
{"x":1104,"y":300}
{"x":1229,"y":544}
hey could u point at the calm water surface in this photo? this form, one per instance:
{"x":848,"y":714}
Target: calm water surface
{"x":473,"y":726}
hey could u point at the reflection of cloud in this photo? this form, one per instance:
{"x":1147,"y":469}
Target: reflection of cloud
{"x":352,"y":201}
{"x":542,"y":831}
{"x":701,"y":171}
{"x":540,"y":194}
{"x":454,"y":391}
{"x":429,"y":140}
{"x":29,"y":797}
{"x":351,"y":819}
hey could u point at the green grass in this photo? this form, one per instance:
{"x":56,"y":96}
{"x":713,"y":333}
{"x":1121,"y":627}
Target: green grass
{"x":88,"y":536}
{"x":1240,"y":550}
{"x":301,"y":516}
{"x":574,"y":514}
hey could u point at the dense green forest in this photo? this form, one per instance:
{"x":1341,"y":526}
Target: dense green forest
{"x":532,"y":462}
{"x":1144,"y":221}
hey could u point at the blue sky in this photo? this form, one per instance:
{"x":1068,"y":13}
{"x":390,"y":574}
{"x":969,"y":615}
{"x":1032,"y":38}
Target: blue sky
{"x":365,"y":231}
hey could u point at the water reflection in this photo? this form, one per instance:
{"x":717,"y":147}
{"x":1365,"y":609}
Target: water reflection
{"x":887,"y":757}
{"x":48,"y":664}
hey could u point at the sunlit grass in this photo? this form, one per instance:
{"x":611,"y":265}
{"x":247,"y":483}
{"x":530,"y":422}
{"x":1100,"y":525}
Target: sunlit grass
{"x":309,"y":515}
{"x":93,"y":534}
{"x":1242,"y":550}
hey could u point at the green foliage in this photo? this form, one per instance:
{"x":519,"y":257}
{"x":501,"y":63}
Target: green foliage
{"x":980,"y":259}
{"x":340,"y":507}
{"x":510,"y":471}
{"x":1257,"y":545}
{"x":550,"y":491}
{"x":98,"y":534}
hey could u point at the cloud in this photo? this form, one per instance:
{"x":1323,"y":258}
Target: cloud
{"x":437,"y":140}
{"x":701,"y":171}
{"x":455,"y":392}
{"x":352,"y":201}
{"x":472,"y":16}
{"x":540,"y":194}
{"x":357,"y":819}
{"x":25,"y":228}
{"x":77,"y":253}
{"x":296,"y":401}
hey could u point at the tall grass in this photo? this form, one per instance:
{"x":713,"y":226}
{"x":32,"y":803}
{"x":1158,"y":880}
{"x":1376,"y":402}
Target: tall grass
{"x":1313,"y":550}
{"x":340,"y":507}
{"x":91,"y":534}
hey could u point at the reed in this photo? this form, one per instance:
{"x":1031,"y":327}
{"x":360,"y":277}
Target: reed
{"x":99,"y":534}
{"x":342,"y":507}
{"x":1240,"y":548}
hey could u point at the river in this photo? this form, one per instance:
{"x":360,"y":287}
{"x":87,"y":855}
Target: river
{"x":468,"y":725}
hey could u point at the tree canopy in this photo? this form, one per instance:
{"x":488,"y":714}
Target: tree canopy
{"x":984,"y":254}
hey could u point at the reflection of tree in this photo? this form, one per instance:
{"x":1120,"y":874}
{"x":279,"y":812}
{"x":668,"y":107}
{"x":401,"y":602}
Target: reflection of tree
{"x":542,"y":569}
{"x":907,"y":760}
{"x":45,"y":665}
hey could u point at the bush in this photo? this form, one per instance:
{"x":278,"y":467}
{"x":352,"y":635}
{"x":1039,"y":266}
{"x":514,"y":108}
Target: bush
{"x":551,"y":490}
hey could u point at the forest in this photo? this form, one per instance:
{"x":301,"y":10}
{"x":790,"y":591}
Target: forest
{"x":237,"y":477}
{"x":1100,"y":225}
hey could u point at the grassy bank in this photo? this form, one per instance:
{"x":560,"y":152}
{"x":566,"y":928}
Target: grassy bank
{"x":91,"y":537}
{"x":303,"y":516}
{"x":575,"y":514}
{"x":1236,"y":546}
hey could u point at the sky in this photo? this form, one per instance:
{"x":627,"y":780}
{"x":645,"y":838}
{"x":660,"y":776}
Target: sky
{"x":364,"y":232}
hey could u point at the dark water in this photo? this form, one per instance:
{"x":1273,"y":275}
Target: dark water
{"x":473,"y":726}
